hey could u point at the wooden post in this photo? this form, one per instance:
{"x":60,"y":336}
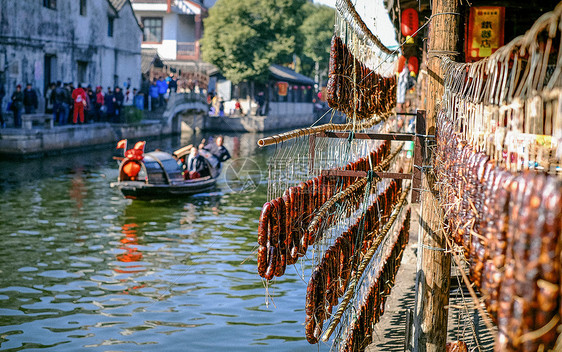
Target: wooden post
{"x":434,"y":265}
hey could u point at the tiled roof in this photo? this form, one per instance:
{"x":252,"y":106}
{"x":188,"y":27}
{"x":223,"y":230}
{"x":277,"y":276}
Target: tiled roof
{"x":148,"y":58}
{"x":118,"y":4}
{"x":286,"y":74}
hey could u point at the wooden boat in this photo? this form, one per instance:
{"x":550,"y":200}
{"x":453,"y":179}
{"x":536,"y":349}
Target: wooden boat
{"x":159,"y":176}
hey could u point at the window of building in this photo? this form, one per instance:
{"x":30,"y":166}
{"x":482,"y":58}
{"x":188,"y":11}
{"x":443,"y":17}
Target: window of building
{"x":51,"y":4}
{"x":110,"y":26}
{"x":82,"y":72}
{"x":82,"y":7}
{"x":50,"y":69}
{"x":152,"y":32}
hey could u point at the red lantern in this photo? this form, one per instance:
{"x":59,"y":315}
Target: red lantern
{"x":410,"y":23}
{"x":131,"y":169}
{"x":401,"y":63}
{"x":413,"y":65}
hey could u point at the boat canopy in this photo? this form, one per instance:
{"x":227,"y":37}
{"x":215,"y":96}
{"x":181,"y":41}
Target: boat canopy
{"x":162,"y":168}
{"x":158,"y":168}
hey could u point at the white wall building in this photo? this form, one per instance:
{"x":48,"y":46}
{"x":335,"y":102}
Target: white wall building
{"x":95,"y":42}
{"x":172,"y":27}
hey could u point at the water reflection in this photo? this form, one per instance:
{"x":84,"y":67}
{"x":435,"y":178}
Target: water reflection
{"x":130,"y":252}
{"x":83,"y":268}
{"x":77,"y":188}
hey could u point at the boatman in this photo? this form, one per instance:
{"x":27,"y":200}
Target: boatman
{"x":217,"y":149}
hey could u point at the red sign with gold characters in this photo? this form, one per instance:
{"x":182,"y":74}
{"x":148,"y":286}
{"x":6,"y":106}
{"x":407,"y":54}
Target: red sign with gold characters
{"x":485,"y":31}
{"x":282,"y":88}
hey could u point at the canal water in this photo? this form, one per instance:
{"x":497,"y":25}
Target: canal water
{"x":83,"y":269}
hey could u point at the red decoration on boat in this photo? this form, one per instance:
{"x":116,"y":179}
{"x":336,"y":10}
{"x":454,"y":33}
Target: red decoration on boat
{"x":122,"y":144}
{"x":413,"y":65}
{"x":410,"y":22}
{"x":140,"y":145}
{"x":131,"y":168}
{"x":134,"y":154}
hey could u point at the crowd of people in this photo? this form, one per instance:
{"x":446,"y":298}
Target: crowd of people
{"x":84,"y":104}
{"x":69,"y":104}
{"x":159,"y":90}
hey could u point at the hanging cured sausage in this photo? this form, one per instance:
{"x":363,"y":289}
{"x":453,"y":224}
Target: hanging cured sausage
{"x":283,"y":234}
{"x":510,"y":229}
{"x":355,"y":89}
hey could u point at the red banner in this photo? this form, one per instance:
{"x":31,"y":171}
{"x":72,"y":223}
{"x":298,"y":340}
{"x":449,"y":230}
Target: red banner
{"x":282,"y":88}
{"x":485,"y":31}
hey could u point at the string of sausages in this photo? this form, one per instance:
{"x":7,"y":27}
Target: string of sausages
{"x":510,"y":228}
{"x":372,"y":309}
{"x":353,"y":88}
{"x":330,"y":278}
{"x":356,"y":187}
{"x":283,"y":234}
{"x":457,"y":346}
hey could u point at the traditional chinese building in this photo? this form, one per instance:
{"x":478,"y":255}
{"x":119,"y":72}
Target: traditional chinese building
{"x":173,"y":29}
{"x":93,"y":42}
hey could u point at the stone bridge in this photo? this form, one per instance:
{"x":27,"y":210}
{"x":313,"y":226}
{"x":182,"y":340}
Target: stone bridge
{"x":190,"y":111}
{"x":181,"y":104}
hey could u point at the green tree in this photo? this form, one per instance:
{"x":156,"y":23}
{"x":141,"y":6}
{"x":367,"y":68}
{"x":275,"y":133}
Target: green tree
{"x":244,"y":37}
{"x":317,"y":31}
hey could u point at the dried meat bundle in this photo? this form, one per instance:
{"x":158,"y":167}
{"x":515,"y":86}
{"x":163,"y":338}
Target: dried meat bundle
{"x":353,"y":88}
{"x":331,"y":277}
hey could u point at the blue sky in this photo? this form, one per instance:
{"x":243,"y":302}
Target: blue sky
{"x":375,"y":17}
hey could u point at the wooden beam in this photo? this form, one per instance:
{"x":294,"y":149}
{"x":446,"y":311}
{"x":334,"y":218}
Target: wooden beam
{"x":351,"y":173}
{"x":418,"y":156}
{"x":377,"y":136}
{"x":434,"y":264}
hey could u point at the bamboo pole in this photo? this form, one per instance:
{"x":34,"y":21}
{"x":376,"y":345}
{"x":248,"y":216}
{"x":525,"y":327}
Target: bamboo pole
{"x":434,"y":263}
{"x":301,"y":132}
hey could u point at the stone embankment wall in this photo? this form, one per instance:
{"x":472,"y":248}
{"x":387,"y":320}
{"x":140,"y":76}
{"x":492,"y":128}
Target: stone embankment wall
{"x":15,"y":142}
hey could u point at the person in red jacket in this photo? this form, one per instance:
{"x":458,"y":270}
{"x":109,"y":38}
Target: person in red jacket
{"x":79,"y":98}
{"x":100,"y":102}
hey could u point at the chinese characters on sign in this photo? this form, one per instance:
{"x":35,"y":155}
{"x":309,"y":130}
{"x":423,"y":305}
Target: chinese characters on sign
{"x":485,"y":31}
{"x":283,"y":87}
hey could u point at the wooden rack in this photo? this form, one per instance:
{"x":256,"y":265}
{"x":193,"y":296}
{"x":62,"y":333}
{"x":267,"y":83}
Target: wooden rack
{"x":418,"y":138}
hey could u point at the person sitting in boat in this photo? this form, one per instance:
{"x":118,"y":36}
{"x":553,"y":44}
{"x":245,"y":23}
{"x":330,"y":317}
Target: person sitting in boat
{"x":196,"y":166}
{"x":217,"y":149}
